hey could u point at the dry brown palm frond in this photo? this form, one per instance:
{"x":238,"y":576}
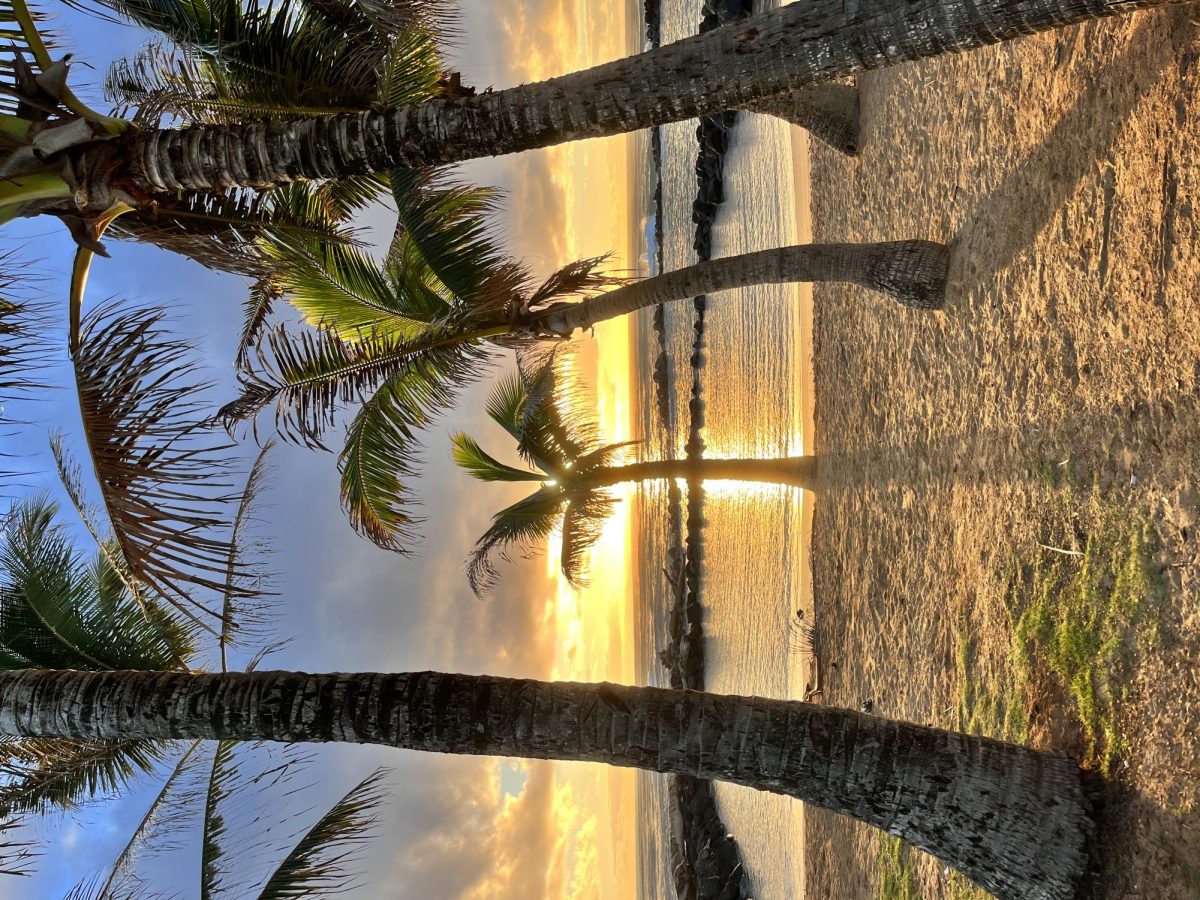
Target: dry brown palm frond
{"x":161,"y":469}
{"x":579,"y":278}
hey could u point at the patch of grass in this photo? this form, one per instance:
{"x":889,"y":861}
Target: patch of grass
{"x":1084,"y":608}
{"x":958,"y":888}
{"x":991,"y":705}
{"x":897,"y":879}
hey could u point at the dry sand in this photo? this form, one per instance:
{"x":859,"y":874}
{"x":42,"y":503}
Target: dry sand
{"x":1065,"y":169}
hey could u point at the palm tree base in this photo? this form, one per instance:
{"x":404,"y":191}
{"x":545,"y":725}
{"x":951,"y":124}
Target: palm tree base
{"x":912,"y":272}
{"x":828,"y":112}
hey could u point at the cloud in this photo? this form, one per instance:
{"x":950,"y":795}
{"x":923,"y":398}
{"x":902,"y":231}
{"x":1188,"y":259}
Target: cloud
{"x":483,"y":844}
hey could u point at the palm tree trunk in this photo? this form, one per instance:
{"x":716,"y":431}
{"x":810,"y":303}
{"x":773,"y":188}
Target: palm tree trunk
{"x":912,"y":272}
{"x":829,"y":112}
{"x":799,"y":471}
{"x":732,"y":67}
{"x":1014,"y":820}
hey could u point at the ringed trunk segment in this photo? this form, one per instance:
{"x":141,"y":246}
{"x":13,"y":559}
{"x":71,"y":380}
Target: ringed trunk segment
{"x":1014,"y":820}
{"x":797,"y":471}
{"x":828,"y":112}
{"x":911,"y":272}
{"x":732,"y":67}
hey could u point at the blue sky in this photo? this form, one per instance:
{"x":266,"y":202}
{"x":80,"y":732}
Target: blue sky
{"x":344,"y":604}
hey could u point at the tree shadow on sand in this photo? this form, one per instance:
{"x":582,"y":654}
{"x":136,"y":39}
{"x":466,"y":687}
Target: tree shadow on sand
{"x":1009,"y":218}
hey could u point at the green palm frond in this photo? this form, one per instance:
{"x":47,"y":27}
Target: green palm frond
{"x":24,"y":34}
{"x":161,"y":819}
{"x":40,"y":775}
{"x":56,"y":612}
{"x":553,"y":432}
{"x":527,"y":524}
{"x":382,"y":446}
{"x":160,"y":469}
{"x":582,"y":524}
{"x":479,"y":464}
{"x":556,"y":437}
{"x":316,"y":866}
{"x":342,"y":289}
{"x":239,"y":613}
{"x":311,"y":375}
{"x":256,"y":312}
{"x":506,"y":402}
{"x":23,"y":351}
{"x":410,"y":69}
{"x":247,"y":61}
{"x":343,"y":197}
{"x":213,"y":828}
{"x":446,"y":225}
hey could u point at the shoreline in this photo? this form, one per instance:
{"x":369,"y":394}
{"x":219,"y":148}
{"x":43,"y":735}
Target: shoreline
{"x":810,"y":440}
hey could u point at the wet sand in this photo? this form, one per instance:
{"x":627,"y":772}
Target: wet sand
{"x":1064,"y":169}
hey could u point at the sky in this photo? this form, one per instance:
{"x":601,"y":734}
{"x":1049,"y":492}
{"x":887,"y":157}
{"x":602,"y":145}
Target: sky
{"x":454,"y":827}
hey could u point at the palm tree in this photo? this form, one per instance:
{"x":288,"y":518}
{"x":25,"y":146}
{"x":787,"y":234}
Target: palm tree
{"x":403,"y":337}
{"x":59,"y":611}
{"x":572,"y":470}
{"x":1016,"y":821}
{"x":86,"y":165}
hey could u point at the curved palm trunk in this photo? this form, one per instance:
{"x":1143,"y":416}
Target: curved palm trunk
{"x":732,"y":67}
{"x":798,"y":471}
{"x":1016,"y":821}
{"x":829,"y":112}
{"x":912,"y":272}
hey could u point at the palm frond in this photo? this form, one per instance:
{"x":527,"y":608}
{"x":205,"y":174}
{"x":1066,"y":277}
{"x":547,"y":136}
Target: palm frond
{"x":25,"y":36}
{"x":236,"y":850}
{"x":161,"y":821}
{"x":311,"y":375}
{"x":213,"y":829}
{"x":343,"y":197}
{"x":342,"y":289}
{"x":160,"y":469}
{"x":410,"y":68}
{"x":16,"y":856}
{"x":316,"y":866}
{"x":22,"y":345}
{"x":382,"y":446}
{"x":256,"y":311}
{"x":553,"y":431}
{"x":239,"y":612}
{"x":582,"y":525}
{"x":527,"y":523}
{"x":480,"y":464}
{"x":506,"y":402}
{"x":227,"y":233}
{"x":581,"y":277}
{"x":236,"y":61}
{"x":445,"y":225}
{"x":58,"y":613}
{"x":39,"y":775}
{"x":23,"y":351}
{"x":437,"y":16}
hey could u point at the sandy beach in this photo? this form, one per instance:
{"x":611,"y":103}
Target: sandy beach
{"x":1046,"y":421}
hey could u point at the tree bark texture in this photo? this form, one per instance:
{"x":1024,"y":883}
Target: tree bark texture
{"x":1014,"y":820}
{"x":829,"y":112}
{"x":731,"y":67}
{"x":799,"y":471}
{"x":912,"y":272}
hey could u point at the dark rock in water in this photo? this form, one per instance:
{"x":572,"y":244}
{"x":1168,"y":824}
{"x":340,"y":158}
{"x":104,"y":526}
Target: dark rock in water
{"x":725,"y":10}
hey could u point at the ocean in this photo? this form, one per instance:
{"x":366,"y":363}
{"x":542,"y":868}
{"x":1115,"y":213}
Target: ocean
{"x":752,"y":381}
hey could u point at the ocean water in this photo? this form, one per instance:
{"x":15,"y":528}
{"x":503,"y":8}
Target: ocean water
{"x":751,"y":381}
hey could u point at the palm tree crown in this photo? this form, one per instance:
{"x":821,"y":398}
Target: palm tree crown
{"x":567,"y":460}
